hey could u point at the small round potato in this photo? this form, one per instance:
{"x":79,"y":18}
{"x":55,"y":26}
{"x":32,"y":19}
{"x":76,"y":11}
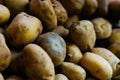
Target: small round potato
{"x":1,"y":77}
{"x":102,"y":28}
{"x":73,"y":53}
{"x":54,"y":45}
{"x":4,"y":14}
{"x":82,"y":33}
{"x":60,"y":77}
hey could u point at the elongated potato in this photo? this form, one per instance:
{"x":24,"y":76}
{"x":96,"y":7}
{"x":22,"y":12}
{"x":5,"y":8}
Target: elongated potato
{"x":4,"y":14}
{"x":110,"y":57}
{"x":36,"y":63}
{"x":1,"y":77}
{"x":60,"y":11}
{"x":97,"y":66}
{"x":78,"y":73}
{"x":60,"y":77}
{"x":5,"y":54}
{"x":23,"y":29}
{"x":73,"y":53}
{"x":43,"y":9}
{"x":54,"y":45}
{"x":73,"y":6}
{"x":102,"y":27}
{"x":82,"y":33}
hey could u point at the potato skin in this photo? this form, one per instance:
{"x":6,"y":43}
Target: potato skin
{"x":5,"y":54}
{"x":78,"y":73}
{"x":102,"y":28}
{"x":97,"y":66}
{"x":23,"y":29}
{"x":43,"y":9}
{"x":37,"y":64}
{"x":54,"y":45}
{"x":1,"y":77}
{"x":82,"y":33}
{"x":60,"y":11}
{"x":60,"y":77}
{"x":4,"y":14}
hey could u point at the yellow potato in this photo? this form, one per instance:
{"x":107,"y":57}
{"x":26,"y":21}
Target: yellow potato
{"x":73,"y":71}
{"x":5,"y":54}
{"x":4,"y":14}
{"x":23,"y":29}
{"x":110,"y":57}
{"x":60,"y":77}
{"x":73,"y":53}
{"x":97,"y":66}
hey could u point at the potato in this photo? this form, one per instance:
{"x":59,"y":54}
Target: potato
{"x":97,"y":66}
{"x":54,"y":45}
{"x":36,"y":63}
{"x":14,"y":77}
{"x":102,"y":7}
{"x":73,"y":6}
{"x":1,"y":77}
{"x":115,"y":36}
{"x":5,"y":54}
{"x":90,"y":7}
{"x":68,"y":68}
{"x":73,"y":53}
{"x":60,"y":77}
{"x":110,"y":57}
{"x":23,"y":29}
{"x":102,"y":27}
{"x":4,"y":14}
{"x":115,"y":49}
{"x":63,"y":32}
{"x":82,"y":33}
{"x":16,"y":6}
{"x":60,"y":12}
{"x":43,"y":9}
{"x":72,"y":19}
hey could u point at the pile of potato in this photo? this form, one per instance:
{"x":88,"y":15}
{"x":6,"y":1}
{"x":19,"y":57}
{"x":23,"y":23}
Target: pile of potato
{"x":59,"y":40}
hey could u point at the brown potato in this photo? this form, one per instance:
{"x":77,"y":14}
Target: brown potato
{"x":72,"y":19}
{"x":115,"y":36}
{"x":73,"y":6}
{"x":60,"y":12}
{"x":115,"y":48}
{"x":60,"y":77}
{"x":23,"y":29}
{"x":54,"y":45}
{"x":90,"y":7}
{"x":102,"y":28}
{"x":36,"y":63}
{"x":1,"y":77}
{"x":102,"y":7}
{"x":5,"y":54}
{"x":43,"y":9}
{"x":4,"y":14}
{"x":82,"y":33}
{"x":16,"y":6}
{"x":73,"y":53}
{"x":63,"y":32}
{"x":73,"y":71}
{"x":14,"y":77}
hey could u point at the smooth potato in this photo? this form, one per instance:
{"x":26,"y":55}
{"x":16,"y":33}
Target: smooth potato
{"x":60,"y":77}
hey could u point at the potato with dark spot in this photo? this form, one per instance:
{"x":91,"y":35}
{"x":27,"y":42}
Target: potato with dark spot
{"x":36,"y":63}
{"x":82,"y":33}
{"x":43,"y":9}
{"x":1,"y":77}
{"x":60,"y":11}
{"x":73,"y":6}
{"x":68,"y":68}
{"x":90,"y":7}
{"x":54,"y":45}
{"x":71,"y":20}
{"x":102,"y":28}
{"x":60,"y":77}
{"x":5,"y":54}
{"x":23,"y":29}
{"x":73,"y":54}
